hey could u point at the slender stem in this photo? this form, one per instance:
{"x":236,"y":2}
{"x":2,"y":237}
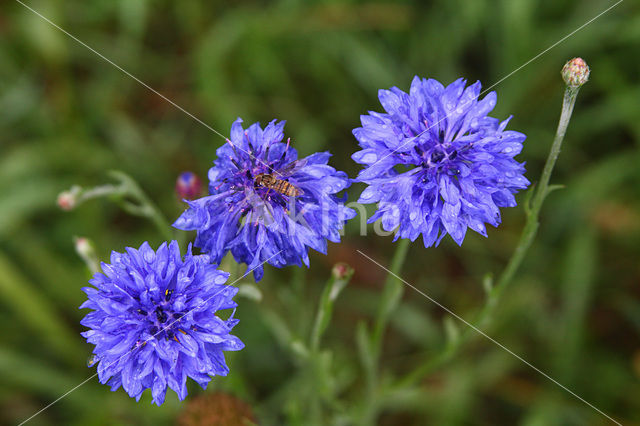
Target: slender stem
{"x":340,"y":277}
{"x":526,"y":239}
{"x":101,"y":191}
{"x":146,"y":207}
{"x":391,"y":294}
{"x":389,"y":300}
{"x":126,"y":187}
{"x":542,"y":190}
{"x":570,"y":95}
{"x":298,"y":287}
{"x":152,"y":211}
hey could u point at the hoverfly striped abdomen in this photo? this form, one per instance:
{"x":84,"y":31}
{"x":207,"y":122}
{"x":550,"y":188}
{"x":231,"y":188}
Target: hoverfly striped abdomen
{"x":279,"y":185}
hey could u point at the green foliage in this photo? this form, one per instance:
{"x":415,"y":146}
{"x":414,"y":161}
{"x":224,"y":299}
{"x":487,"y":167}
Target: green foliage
{"x":573,"y":308}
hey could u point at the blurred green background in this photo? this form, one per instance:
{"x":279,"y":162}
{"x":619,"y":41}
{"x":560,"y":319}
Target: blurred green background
{"x":67,"y":117}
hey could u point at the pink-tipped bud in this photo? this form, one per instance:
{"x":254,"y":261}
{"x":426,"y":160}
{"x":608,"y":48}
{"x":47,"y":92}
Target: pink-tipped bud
{"x":342,"y":271}
{"x":575,"y":73}
{"x":67,"y":200}
{"x":87,"y":252}
{"x":188,"y":186}
{"x":83,"y":246}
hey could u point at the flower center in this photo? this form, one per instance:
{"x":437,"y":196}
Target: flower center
{"x":439,"y":156}
{"x":162,"y":321}
{"x":161,"y":315}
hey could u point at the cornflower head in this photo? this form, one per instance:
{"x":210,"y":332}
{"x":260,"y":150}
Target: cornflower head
{"x":265,"y":204}
{"x":154,"y":321}
{"x":436,"y":163}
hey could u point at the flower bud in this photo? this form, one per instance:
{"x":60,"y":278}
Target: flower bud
{"x":67,"y":200}
{"x":87,"y":252}
{"x":84,"y":247}
{"x":188,"y":186}
{"x":575,"y":73}
{"x":342,"y":271}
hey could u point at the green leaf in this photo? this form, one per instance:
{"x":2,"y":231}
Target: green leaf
{"x":34,"y":374}
{"x":37,"y":313}
{"x":363,"y":342}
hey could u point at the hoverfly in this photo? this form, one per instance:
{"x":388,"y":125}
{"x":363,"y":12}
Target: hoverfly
{"x":273,"y":181}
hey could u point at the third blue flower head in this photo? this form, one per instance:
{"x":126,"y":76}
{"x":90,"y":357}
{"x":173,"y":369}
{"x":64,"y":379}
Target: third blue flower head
{"x":436,"y":163}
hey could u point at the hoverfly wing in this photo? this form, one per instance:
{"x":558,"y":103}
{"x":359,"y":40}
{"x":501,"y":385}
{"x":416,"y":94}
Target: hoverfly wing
{"x":261,"y":211}
{"x":292,"y":167}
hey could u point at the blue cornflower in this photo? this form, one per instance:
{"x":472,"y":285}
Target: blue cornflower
{"x":265,"y":204}
{"x":154,"y":320}
{"x":436,"y":163}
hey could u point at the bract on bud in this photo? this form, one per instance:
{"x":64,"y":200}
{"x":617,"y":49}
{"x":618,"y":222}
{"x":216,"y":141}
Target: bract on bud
{"x":188,"y":186}
{"x":575,"y":73}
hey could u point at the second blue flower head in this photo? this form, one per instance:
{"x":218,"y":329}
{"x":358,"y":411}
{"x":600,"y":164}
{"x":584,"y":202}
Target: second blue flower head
{"x":266,"y":204}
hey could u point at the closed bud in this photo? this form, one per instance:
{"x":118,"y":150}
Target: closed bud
{"x":87,"y":252}
{"x":342,"y":271}
{"x":575,"y":73}
{"x":67,"y":200}
{"x":188,"y":186}
{"x":84,"y":247}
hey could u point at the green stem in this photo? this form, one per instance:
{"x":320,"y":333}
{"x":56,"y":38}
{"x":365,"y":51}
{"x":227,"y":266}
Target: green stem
{"x":101,"y":191}
{"x":340,"y":277}
{"x":533,"y":211}
{"x":526,"y":239}
{"x":146,"y":207}
{"x":391,"y":294}
{"x":570,"y":95}
{"x":389,"y":300}
{"x":130,"y":197}
{"x":151,"y":210}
